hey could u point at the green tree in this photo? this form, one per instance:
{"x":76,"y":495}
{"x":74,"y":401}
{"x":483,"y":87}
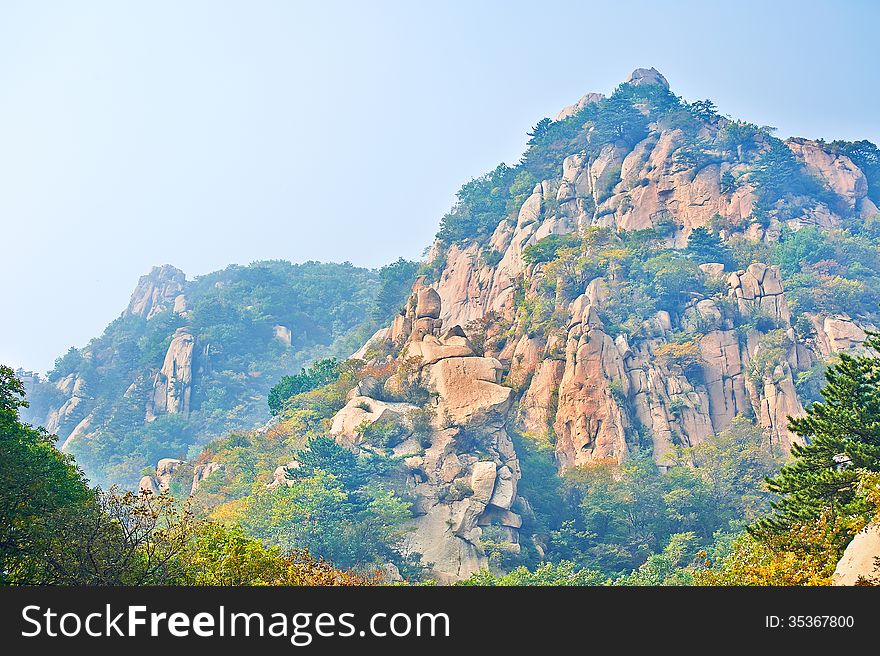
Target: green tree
{"x":705,"y":246}
{"x":539,"y":130}
{"x":225,"y":556}
{"x":333,"y":507}
{"x":41,"y":492}
{"x":842,"y":435}
{"x":395,"y":284}
{"x":319,"y":374}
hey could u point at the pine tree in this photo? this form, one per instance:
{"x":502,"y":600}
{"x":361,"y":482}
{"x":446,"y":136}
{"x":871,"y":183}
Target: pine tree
{"x":843,"y":440}
{"x":706,"y":246}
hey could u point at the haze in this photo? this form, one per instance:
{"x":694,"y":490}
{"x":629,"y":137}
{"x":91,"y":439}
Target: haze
{"x":203,"y":133}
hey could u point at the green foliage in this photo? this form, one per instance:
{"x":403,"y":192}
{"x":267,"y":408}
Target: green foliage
{"x":739,"y":136}
{"x":778,"y":175}
{"x":547,"y":249}
{"x":333,"y":507}
{"x":481,"y":206}
{"x":541,"y":484}
{"x":322,"y":372}
{"x":43,"y":494}
{"x":232,"y":315}
{"x":670,"y":567}
{"x":806,"y":246}
{"x":562,"y":573}
{"x":217,"y":555}
{"x":771,"y":350}
{"x":673,"y":279}
{"x":705,"y":246}
{"x":835,"y":271}
{"x":842,"y":436}
{"x":55,"y":530}
{"x":395,"y":284}
{"x":67,"y":364}
{"x":627,"y":513}
{"x":704,"y":110}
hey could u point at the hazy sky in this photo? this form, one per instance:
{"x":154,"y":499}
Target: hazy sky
{"x":207,"y":133}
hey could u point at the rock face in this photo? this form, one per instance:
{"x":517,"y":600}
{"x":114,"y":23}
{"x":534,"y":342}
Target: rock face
{"x":158,"y":291}
{"x":72,"y":387}
{"x":647,"y":76}
{"x":598,"y":391}
{"x":461,"y":469}
{"x":838,"y":172}
{"x":595,"y":393}
{"x":836,"y":334}
{"x":172,"y":386}
{"x":860,"y":564}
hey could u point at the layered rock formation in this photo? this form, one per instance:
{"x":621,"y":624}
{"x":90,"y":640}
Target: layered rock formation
{"x":598,"y":395}
{"x":605,"y":392}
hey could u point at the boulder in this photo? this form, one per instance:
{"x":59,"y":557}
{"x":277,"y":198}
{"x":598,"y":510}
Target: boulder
{"x":427,"y":303}
{"x":468,"y":389}
{"x":505,"y":489}
{"x":647,"y":76}
{"x":283,"y":334}
{"x":165,"y":469}
{"x":431,"y":349}
{"x":363,"y":411}
{"x":148,"y":484}
{"x":202,"y":471}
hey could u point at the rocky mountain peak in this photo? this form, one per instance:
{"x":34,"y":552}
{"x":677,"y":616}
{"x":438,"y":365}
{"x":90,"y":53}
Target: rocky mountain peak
{"x":156,"y":291}
{"x":647,"y":76}
{"x":571,"y":110}
{"x":638,"y":77}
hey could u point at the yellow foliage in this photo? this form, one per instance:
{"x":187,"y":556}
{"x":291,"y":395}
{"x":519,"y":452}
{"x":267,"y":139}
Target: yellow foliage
{"x":229,"y":513}
{"x":683,"y":353}
{"x":807,"y":555}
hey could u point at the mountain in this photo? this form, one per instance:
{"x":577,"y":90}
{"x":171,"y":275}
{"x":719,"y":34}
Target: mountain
{"x":649,"y":293}
{"x":187,"y":361}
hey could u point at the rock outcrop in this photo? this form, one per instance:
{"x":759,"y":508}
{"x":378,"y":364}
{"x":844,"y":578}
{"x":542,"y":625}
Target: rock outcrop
{"x":187,"y":475}
{"x":461,"y":468}
{"x":860,"y":563}
{"x":597,"y":393}
{"x":837,"y":171}
{"x":172,"y":385}
{"x":158,"y":291}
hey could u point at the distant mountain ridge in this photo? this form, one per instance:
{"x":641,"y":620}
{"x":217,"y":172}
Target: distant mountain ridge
{"x":190,"y":360}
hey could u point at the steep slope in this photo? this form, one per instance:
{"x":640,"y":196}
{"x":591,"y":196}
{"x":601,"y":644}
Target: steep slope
{"x":615,"y":324}
{"x":650,"y":275}
{"x":190,"y":360}
{"x":601,"y":374}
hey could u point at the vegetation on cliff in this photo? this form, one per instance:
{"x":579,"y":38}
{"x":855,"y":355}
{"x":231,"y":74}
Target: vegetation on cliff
{"x":56,"y":530}
{"x":141,"y":392}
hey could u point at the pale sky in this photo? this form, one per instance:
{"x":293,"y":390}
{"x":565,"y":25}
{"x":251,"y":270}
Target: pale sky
{"x":202,"y":134}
